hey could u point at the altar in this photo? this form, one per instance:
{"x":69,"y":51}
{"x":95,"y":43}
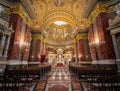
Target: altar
{"x":59,"y":59}
{"x":60,"y":64}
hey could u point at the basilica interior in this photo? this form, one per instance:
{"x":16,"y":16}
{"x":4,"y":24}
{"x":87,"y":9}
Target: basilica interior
{"x":59,"y":45}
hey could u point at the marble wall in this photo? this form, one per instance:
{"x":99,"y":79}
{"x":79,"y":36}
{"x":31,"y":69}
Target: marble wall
{"x":16,"y":21}
{"x":84,"y":51}
{"x":36,"y":50}
{"x":19,"y":42}
{"x":27,"y":39}
{"x":101,"y":47}
{"x":106,"y":46}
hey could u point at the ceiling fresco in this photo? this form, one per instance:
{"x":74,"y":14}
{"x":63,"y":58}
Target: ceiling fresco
{"x":50,"y":11}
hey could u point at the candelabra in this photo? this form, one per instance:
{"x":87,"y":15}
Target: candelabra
{"x":23,"y":46}
{"x":96,"y":45}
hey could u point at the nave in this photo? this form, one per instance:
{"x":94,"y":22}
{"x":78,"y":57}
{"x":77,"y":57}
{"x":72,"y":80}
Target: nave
{"x":79,"y":78}
{"x":59,"y":45}
{"x":39,"y":79}
{"x":68,"y":78}
{"x":59,"y":79}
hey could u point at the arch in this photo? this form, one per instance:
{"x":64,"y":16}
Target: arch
{"x":62,"y":16}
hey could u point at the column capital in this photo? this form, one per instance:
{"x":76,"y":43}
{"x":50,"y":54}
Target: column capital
{"x":100,"y":7}
{"x":113,"y":35}
{"x":82,"y":36}
{"x":17,"y":9}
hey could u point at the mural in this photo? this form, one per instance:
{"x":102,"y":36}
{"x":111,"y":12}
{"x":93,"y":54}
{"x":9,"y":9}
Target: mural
{"x":59,"y":2}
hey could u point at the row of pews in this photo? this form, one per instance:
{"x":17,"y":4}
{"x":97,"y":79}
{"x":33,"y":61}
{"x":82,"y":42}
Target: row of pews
{"x":13,"y":79}
{"x":97,"y":78}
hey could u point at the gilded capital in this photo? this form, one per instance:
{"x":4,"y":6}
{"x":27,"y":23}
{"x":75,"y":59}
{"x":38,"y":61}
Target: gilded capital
{"x":38,"y":36}
{"x":19,"y":10}
{"x":82,"y":36}
{"x":113,"y":35}
{"x":100,"y":7}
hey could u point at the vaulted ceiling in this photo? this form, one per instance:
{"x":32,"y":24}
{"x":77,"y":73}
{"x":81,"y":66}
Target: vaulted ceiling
{"x":50,"y":11}
{"x":60,"y":21}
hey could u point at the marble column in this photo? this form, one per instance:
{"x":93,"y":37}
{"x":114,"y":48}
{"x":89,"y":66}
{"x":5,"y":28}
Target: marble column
{"x":2,"y":44}
{"x":78,"y":50}
{"x":105,"y":48}
{"x":84,"y":51}
{"x":117,"y":54}
{"x":44,"y":48}
{"x":41,"y":51}
{"x":37,"y":51}
{"x":7,"y":46}
{"x":75,"y":51}
{"x":87,"y":50}
{"x":13,"y":52}
{"x":32,"y":50}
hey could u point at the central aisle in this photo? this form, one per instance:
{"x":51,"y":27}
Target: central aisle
{"x":59,"y":79}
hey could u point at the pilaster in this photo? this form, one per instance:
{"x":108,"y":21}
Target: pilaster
{"x":16,"y":21}
{"x":115,"y":47}
{"x":7,"y":46}
{"x":2,"y":44}
{"x":104,"y":37}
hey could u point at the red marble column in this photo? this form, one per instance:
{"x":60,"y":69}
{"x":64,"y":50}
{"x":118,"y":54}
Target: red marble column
{"x":81,"y":50}
{"x":84,"y":51}
{"x":31,"y":51}
{"x":106,"y":49}
{"x":77,"y":51}
{"x":91,"y":39}
{"x":37,"y":51}
{"x":42,"y":48}
{"x":13,"y":52}
{"x":27,"y":40}
{"x":43,"y":54}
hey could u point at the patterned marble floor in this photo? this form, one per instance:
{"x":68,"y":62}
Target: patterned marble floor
{"x":59,"y":79}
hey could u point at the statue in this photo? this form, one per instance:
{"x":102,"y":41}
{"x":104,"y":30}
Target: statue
{"x":59,"y":2}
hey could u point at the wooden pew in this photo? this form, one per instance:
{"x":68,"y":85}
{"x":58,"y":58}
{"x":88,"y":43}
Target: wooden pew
{"x":101,"y":79}
{"x":14,"y":78}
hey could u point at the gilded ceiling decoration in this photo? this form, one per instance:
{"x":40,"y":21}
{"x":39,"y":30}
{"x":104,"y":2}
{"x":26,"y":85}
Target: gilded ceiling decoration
{"x":61,"y":22}
{"x":47,"y":8}
{"x":66,"y":11}
{"x":61,"y":34}
{"x":69,"y":13}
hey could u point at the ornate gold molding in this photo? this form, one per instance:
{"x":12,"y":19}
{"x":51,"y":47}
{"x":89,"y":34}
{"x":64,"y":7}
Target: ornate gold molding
{"x":63,"y":16}
{"x":38,"y":36}
{"x":81,"y":36}
{"x":100,"y":7}
{"x":19,"y":10}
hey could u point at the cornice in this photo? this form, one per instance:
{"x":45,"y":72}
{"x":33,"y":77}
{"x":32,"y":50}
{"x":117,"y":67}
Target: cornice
{"x":89,"y":7}
{"x":114,"y":27}
{"x":112,"y":5}
{"x":4,"y":23}
{"x":57,"y":46}
{"x":100,"y":7}
{"x":5,"y":3}
{"x":113,"y":2}
{"x":28,"y":7}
